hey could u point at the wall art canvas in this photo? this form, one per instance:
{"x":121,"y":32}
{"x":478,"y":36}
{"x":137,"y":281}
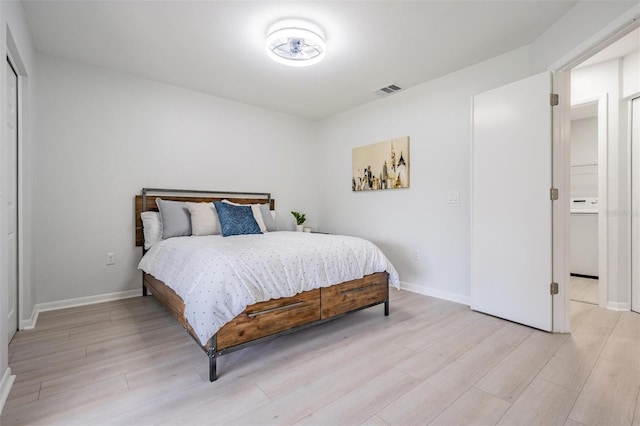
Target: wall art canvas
{"x":382,"y":165}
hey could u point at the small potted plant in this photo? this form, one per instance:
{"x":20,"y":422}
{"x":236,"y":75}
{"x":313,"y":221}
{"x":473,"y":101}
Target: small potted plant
{"x":300,"y":218}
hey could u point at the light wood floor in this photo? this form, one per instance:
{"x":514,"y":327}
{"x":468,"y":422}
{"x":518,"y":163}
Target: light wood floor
{"x":431,"y":362}
{"x":585,"y":290}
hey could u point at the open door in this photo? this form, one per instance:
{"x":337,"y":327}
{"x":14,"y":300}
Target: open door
{"x":511,"y":207}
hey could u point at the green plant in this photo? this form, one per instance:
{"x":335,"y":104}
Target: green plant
{"x":300,"y":217}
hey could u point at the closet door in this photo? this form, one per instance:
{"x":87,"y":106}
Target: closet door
{"x":511,"y":207}
{"x":11,"y":197}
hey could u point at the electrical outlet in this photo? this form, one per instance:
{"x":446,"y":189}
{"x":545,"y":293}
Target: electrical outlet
{"x":453,"y":197}
{"x":416,"y":255}
{"x":111,"y":258}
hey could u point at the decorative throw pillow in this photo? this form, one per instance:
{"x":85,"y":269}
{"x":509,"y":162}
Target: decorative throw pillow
{"x":204,"y":219}
{"x":255,"y":209}
{"x":175,"y":218}
{"x":236,"y":220}
{"x":268,"y":218}
{"x":151,"y":228}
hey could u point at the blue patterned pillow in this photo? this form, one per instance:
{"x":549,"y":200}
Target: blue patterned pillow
{"x":236,"y":220}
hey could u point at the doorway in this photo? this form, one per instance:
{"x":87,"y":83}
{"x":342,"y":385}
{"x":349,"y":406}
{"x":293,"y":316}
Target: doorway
{"x":607,"y":78}
{"x":614,"y":238}
{"x":584,"y":209}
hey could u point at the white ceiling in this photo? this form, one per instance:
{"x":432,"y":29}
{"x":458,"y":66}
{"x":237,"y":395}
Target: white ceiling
{"x":217,"y":47}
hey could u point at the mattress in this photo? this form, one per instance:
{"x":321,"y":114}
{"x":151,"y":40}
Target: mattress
{"x":218,"y":277}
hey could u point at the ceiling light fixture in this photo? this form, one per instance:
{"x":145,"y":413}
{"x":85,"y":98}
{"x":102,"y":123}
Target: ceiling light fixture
{"x":296,"y":43}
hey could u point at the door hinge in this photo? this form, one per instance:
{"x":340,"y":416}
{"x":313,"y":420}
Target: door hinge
{"x":553,"y":193}
{"x":554,"y":99}
{"x":553,"y":288}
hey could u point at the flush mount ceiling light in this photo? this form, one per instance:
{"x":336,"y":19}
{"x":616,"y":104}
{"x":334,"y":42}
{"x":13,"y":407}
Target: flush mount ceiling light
{"x":296,"y":43}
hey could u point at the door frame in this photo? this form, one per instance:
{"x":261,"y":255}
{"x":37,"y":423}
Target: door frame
{"x":633,"y":296}
{"x":13,"y":54}
{"x":561,"y":71}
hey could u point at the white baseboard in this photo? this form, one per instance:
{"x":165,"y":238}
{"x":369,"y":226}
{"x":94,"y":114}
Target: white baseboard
{"x":30,"y":323}
{"x":618,"y":306}
{"x":428,"y":291}
{"x":5,"y":387}
{"x":72,"y":303}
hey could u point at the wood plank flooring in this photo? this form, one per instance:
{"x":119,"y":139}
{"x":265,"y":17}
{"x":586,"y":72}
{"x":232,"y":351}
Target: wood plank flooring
{"x":585,"y":290}
{"x":430,"y":362}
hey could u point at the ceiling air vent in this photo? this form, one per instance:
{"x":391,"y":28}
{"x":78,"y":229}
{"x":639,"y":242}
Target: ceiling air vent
{"x":388,"y":90}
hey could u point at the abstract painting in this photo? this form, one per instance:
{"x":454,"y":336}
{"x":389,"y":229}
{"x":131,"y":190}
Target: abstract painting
{"x":382,"y":165}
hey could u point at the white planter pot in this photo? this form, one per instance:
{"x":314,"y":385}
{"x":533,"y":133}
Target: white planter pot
{"x":299,"y":228}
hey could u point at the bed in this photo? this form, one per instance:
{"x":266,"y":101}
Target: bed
{"x":229,"y":292}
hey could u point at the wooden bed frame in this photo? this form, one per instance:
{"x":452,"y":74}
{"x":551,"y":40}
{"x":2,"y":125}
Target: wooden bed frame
{"x":264,"y":320}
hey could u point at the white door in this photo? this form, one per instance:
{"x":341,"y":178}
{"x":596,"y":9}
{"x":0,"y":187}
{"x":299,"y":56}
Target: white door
{"x":12,"y":197}
{"x":635,"y":204}
{"x":511,"y":254}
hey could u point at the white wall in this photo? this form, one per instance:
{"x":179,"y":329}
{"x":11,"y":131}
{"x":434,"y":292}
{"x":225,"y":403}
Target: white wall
{"x":436,"y":117}
{"x":15,"y":38}
{"x":584,"y":157}
{"x":102,"y":136}
{"x":630,"y":73}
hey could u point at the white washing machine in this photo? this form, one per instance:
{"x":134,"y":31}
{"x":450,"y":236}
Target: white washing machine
{"x":584,"y":236}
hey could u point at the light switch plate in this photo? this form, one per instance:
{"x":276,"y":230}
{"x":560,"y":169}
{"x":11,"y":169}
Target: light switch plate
{"x":453,"y":197}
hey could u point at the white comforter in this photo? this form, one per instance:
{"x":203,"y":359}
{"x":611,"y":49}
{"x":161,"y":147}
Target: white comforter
{"x":219,"y":277}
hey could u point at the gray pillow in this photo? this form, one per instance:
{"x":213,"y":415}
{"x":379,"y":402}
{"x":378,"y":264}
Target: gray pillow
{"x":175,"y":218}
{"x":269,"y":223}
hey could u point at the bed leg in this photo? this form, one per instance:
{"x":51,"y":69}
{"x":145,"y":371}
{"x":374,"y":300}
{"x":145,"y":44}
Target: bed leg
{"x":386,"y":308}
{"x":144,"y":287}
{"x":213,"y":356}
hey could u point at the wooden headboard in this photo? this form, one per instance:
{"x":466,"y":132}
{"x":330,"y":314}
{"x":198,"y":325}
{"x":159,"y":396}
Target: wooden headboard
{"x":196,"y":196}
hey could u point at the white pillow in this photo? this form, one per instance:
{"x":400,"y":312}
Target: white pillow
{"x":151,"y":228}
{"x":204,"y":219}
{"x":257,"y":214}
